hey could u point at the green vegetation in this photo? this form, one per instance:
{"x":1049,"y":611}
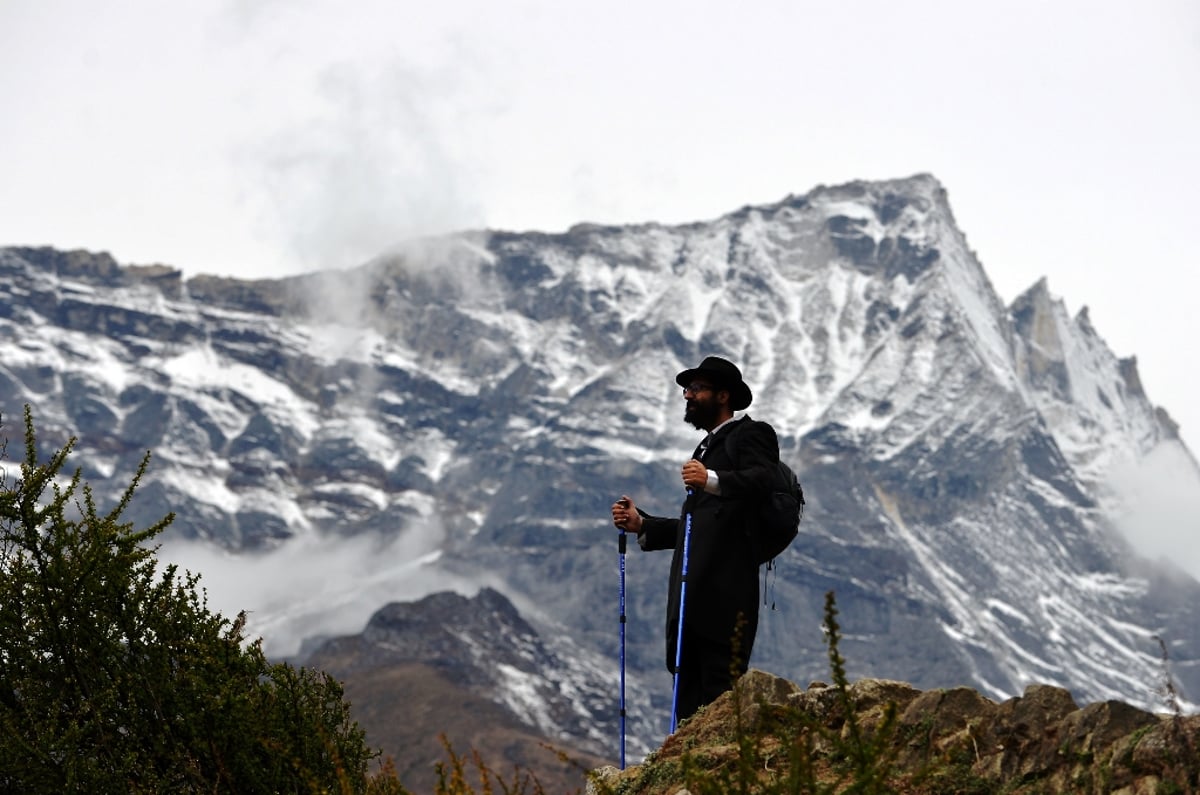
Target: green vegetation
{"x":116,"y":677}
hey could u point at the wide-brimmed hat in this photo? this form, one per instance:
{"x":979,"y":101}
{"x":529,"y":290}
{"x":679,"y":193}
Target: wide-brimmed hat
{"x":724,"y":375}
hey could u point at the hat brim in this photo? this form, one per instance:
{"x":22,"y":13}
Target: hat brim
{"x":739,"y":394}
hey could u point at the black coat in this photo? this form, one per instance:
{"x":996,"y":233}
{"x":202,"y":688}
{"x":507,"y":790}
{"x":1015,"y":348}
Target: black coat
{"x":722,"y":573}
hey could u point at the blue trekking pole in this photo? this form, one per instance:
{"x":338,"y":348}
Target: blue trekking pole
{"x":621,"y":547}
{"x":687,"y":541}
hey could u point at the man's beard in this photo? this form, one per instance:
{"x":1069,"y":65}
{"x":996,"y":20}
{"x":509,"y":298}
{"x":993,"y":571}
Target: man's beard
{"x":702,"y":414}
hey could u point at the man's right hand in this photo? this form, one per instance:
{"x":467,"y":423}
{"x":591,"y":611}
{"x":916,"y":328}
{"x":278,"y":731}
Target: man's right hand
{"x":625,"y":515}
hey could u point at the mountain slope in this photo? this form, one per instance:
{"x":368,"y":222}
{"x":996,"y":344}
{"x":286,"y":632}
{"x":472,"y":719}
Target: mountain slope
{"x":472,"y":405}
{"x":442,"y":662}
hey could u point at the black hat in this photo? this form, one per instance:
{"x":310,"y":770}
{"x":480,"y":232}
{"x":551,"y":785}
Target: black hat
{"x":724,"y":375}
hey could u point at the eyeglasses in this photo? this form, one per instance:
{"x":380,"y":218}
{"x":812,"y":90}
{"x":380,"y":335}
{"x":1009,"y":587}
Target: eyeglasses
{"x":696,"y":389}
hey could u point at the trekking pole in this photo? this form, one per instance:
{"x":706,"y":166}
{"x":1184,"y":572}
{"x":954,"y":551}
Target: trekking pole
{"x":687,"y":540}
{"x":621,"y":548}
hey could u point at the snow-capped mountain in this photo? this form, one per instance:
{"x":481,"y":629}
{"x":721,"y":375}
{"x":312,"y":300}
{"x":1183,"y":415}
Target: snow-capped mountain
{"x":464,"y":410}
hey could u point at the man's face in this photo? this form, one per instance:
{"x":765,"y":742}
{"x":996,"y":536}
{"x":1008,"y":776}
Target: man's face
{"x":702,"y":409}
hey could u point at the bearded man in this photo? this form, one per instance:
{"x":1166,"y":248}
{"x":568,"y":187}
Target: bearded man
{"x":727,"y":478}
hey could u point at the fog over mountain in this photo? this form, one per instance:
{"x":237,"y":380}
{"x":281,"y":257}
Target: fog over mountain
{"x":988,"y":485}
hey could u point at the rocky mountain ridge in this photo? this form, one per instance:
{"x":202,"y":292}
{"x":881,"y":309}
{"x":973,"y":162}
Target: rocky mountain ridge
{"x":473,"y":671}
{"x":484,"y":646}
{"x":464,"y":410}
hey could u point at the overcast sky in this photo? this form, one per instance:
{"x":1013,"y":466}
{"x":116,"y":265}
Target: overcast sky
{"x":269,"y":137}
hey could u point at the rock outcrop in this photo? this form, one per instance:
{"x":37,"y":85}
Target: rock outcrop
{"x":901,"y":739}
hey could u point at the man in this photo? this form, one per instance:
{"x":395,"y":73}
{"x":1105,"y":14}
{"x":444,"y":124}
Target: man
{"x":725,"y":484}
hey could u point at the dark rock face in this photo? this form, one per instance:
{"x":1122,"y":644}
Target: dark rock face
{"x":484,"y":646}
{"x":88,"y":412}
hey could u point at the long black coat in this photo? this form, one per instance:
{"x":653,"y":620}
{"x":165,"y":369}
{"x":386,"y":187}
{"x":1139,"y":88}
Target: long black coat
{"x":722,"y":573}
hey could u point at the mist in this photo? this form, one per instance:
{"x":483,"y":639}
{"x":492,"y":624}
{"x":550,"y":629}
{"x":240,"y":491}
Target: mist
{"x":314,"y":586}
{"x":373,"y":165}
{"x":1162,"y":506}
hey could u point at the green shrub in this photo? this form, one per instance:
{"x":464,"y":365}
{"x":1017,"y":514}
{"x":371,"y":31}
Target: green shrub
{"x":116,"y":677}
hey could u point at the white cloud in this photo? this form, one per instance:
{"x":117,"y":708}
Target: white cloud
{"x":369,"y":170}
{"x":312,"y":587}
{"x":1162,"y":516}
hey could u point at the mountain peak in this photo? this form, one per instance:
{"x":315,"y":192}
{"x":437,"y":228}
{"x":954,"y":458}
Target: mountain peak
{"x":920,"y":184}
{"x":1131,"y":376}
{"x":1041,"y":317}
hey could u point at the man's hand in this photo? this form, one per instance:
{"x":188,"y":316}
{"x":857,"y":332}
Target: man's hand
{"x":625,"y":515}
{"x":695,"y":475}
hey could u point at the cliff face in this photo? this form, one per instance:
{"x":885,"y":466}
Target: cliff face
{"x":887,"y":736}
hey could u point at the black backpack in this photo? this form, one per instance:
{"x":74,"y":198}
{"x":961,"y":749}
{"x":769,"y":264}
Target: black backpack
{"x":779,"y":514}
